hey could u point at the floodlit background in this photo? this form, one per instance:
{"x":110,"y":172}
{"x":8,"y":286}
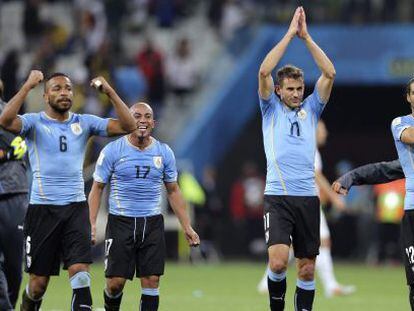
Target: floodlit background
{"x":196,"y":63}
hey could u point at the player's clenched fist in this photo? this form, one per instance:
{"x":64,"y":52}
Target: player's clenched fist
{"x":35,"y":77}
{"x":101,"y":84}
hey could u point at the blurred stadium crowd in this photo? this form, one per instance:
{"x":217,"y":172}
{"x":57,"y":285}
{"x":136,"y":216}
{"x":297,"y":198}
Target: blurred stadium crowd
{"x":163,"y":51}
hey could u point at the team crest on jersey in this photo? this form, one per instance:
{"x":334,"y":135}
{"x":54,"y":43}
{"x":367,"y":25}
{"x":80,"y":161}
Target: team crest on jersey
{"x":302,"y":114}
{"x":157,"y":161}
{"x":76,"y":128}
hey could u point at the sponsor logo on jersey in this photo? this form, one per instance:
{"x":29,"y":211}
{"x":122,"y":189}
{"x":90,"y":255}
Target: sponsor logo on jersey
{"x":76,"y":128}
{"x":157,"y":161}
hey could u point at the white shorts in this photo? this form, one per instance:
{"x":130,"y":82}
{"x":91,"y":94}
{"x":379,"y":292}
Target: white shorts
{"x":324,"y":229}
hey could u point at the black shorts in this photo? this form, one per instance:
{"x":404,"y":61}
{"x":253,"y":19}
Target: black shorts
{"x":293,"y":219}
{"x":55,"y":233}
{"x":134,"y":245}
{"x":407,"y":242}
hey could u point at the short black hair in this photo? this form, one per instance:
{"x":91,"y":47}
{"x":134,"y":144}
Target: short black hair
{"x":54,"y":75}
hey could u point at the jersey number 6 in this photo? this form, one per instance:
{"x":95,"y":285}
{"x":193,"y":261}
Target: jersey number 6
{"x":63,"y":146}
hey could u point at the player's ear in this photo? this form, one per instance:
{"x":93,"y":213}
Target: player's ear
{"x":277,"y":89}
{"x":46,"y":97}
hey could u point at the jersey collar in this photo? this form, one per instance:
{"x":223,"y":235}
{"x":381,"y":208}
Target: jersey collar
{"x":135,"y":147}
{"x":46,"y":116}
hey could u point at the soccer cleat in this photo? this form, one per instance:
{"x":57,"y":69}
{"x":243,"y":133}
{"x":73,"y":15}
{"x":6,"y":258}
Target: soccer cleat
{"x":340,"y":290}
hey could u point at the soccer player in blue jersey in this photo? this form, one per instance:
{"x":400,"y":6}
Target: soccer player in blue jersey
{"x":403,"y":133}
{"x":57,"y":223}
{"x":291,"y":206}
{"x":136,"y":166}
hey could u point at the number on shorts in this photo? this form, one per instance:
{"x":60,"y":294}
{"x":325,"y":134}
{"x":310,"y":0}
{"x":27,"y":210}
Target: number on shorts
{"x":108,"y":244}
{"x":266,"y":219}
{"x":28,"y":246}
{"x":410,"y":254}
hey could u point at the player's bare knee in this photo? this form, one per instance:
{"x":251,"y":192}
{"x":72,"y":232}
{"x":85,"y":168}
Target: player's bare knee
{"x":307,"y":271}
{"x":277,"y":265}
{"x":78,"y":267}
{"x":152,"y":281}
{"x":37,"y":286}
{"x":114,"y":286}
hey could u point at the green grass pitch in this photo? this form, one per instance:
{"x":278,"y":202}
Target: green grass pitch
{"x":232,"y":286}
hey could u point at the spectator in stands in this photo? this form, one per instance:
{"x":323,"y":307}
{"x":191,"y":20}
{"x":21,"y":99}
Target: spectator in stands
{"x":8,"y":74}
{"x":93,"y":24}
{"x":389,"y":212}
{"x":246,"y":205}
{"x":182,"y":71}
{"x":151,"y":62}
{"x":32,"y":24}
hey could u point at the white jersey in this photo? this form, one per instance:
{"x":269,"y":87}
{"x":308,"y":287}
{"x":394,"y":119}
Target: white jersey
{"x":324,"y":229}
{"x":318,"y":167}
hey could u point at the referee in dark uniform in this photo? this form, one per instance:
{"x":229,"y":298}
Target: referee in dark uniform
{"x":13,"y":205}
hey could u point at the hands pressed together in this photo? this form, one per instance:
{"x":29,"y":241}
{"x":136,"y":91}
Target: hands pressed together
{"x":298,"y":26}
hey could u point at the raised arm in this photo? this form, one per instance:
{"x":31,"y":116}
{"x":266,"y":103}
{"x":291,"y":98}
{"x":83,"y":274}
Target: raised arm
{"x":9,"y":119}
{"x":325,"y":81}
{"x":370,"y":174}
{"x":178,"y":205}
{"x":266,"y":84}
{"x":125,"y":122}
{"x":94,"y":201}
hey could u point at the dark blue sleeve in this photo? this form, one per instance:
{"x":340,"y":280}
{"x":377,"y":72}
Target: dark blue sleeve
{"x":371,"y":174}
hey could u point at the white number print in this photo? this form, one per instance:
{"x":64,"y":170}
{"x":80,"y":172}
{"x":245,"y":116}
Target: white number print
{"x":108,"y":244}
{"x":28,"y":249}
{"x":410,"y":254}
{"x":266,"y":220}
{"x":28,"y":246}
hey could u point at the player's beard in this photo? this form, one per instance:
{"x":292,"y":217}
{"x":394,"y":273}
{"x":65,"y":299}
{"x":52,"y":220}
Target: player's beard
{"x":60,"y":108}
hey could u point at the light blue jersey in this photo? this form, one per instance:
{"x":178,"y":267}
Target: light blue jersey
{"x":56,"y":153}
{"x":290,"y":145}
{"x":136,"y":176}
{"x":406,"y":156}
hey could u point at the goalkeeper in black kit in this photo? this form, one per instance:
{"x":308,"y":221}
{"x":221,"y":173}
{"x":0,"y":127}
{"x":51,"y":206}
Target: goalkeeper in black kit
{"x":13,"y":205}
